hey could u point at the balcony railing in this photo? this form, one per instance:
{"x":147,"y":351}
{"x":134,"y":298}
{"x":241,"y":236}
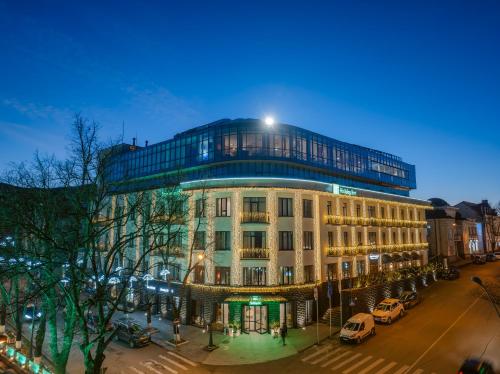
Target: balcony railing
{"x":171,"y":252}
{"x":169,"y":219}
{"x":254,"y":217}
{"x":366,"y":249}
{"x":372,"y":221}
{"x":254,"y":253}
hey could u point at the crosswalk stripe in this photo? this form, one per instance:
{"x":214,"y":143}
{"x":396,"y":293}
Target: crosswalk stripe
{"x":370,"y":367}
{"x":316,"y":353}
{"x":386,"y":368}
{"x":359,"y":363}
{"x":418,"y":371}
{"x":172,"y":362}
{"x":182,"y":358}
{"x":325,"y":356}
{"x":402,"y":369}
{"x":151,"y":368}
{"x":347,"y":361}
{"x":136,"y":370}
{"x":335,"y":359}
{"x":165,"y":367}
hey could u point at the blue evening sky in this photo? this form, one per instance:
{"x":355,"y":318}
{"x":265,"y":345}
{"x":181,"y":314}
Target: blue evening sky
{"x":420,"y":79}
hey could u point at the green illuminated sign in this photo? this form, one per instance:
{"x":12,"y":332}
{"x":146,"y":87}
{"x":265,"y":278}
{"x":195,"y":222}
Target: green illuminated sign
{"x":341,"y":190}
{"x":255,"y":300}
{"x":21,"y":358}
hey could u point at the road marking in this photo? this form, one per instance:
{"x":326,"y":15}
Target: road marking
{"x":151,"y":368}
{"x":165,"y":367}
{"x":182,"y":358}
{"x":325,"y":356}
{"x":335,"y":359}
{"x":316,"y":353}
{"x":402,"y":370}
{"x":347,"y":361}
{"x":387,"y":368}
{"x":136,"y":370}
{"x":359,"y":363}
{"x":418,"y":371}
{"x":369,"y":367}
{"x":443,"y":334}
{"x":172,"y":362}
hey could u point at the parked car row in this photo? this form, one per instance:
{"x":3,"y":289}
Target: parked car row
{"x":362,"y":325}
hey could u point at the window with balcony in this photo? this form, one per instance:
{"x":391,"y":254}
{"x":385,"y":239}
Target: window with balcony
{"x":329,"y":208}
{"x":199,"y":241}
{"x":222,"y":275}
{"x":223,"y":207}
{"x":307,"y":208}
{"x":344,"y":210}
{"x":371,"y":211}
{"x":360,"y":238}
{"x":382,"y":212}
{"x":331,"y":242}
{"x":308,"y":240}
{"x":285,"y":207}
{"x":199,"y":274}
{"x":222,"y":240}
{"x":308,"y":273}
{"x":372,"y":237}
{"x":394,"y":241}
{"x":254,"y":239}
{"x":286,"y":274}
{"x":254,"y":276}
{"x":393,"y":213}
{"x":345,"y":237}
{"x":332,"y":271}
{"x":358,"y":210}
{"x":254,"y":210}
{"x":286,"y":240}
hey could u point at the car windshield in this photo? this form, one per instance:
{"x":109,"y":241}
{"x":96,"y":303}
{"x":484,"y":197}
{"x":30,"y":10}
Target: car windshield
{"x":135,"y":329}
{"x":352,"y":326}
{"x":383,"y":307}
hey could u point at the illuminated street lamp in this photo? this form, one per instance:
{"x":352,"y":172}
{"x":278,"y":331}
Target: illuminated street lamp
{"x":479,"y":282}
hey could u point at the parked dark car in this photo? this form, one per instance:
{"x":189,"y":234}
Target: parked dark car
{"x":490,"y":257}
{"x":32,"y":313}
{"x":93,"y":323}
{"x":479,"y":260}
{"x":129,"y":330}
{"x":409,"y":299}
{"x":476,"y":366}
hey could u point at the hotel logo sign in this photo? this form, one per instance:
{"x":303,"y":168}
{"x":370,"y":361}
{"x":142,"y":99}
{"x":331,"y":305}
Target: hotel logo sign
{"x":341,"y":190}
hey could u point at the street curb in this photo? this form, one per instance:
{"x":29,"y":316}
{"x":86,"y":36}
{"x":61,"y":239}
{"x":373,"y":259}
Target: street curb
{"x":321,"y":341}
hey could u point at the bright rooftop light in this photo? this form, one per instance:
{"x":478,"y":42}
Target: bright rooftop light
{"x":269,"y":121}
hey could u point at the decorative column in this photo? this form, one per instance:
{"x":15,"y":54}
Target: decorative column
{"x":112,"y":227}
{"x":316,"y":238}
{"x":210,"y":239}
{"x":191,"y":228}
{"x":236,"y":210}
{"x":272,"y":271}
{"x":299,"y":247}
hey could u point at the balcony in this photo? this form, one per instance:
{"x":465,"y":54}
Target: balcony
{"x":168,"y":219}
{"x":366,"y":249}
{"x":255,"y":217}
{"x":175,"y":251}
{"x":254,"y":254}
{"x":372,"y":221}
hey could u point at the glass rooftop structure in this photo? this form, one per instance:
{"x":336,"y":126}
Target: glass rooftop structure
{"x":249,"y":148}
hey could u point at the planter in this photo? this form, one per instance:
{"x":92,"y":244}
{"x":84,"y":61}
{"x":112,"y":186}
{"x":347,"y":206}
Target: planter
{"x":230,"y":331}
{"x":238,"y":332}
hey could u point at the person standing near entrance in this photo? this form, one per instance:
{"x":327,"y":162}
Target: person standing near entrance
{"x":283,"y":332}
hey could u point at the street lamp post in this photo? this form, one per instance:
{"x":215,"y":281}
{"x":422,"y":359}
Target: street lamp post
{"x":479,"y":282}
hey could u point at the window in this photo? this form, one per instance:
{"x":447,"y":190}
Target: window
{"x":286,"y":274}
{"x":223,"y":207}
{"x":346,"y":269}
{"x":358,"y":210}
{"x":402,"y":214}
{"x":360,"y":238}
{"x":285,"y":207}
{"x":308,"y":273}
{"x":372,"y":237}
{"x":222,"y":275}
{"x":344,"y":209}
{"x":346,"y":238}
{"x":254,"y":239}
{"x":254,"y":204}
{"x":308,"y":240}
{"x":175,"y":271}
{"x":384,"y":239}
{"x":254,"y":276}
{"x":307,"y":208}
{"x":199,"y":241}
{"x":200,"y":205}
{"x":331,"y":242}
{"x":361,"y":267}
{"x":382,"y":212}
{"x":371,"y":211}
{"x":329,"y":208}
{"x":394,"y":237}
{"x":393,"y":213}
{"x":222,"y":240}
{"x":331,"y":271}
{"x":199,"y":274}
{"x":285,"y":240}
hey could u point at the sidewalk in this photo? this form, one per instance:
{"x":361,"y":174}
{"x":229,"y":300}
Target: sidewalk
{"x":245,"y":349}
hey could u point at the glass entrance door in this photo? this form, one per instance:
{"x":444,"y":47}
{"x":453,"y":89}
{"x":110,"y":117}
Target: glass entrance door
{"x":255,"y":318}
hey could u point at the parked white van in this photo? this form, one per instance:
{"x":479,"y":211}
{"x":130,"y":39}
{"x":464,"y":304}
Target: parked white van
{"x":357,"y":328}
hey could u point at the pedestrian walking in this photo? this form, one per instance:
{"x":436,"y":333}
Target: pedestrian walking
{"x":283,"y":332}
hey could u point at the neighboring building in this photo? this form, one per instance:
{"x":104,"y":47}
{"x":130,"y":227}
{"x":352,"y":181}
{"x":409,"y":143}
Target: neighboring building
{"x":487,"y":221}
{"x":283,"y":209}
{"x":450,"y":236}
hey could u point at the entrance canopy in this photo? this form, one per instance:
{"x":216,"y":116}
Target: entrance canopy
{"x":249,"y":299}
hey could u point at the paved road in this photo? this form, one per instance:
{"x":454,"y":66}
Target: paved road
{"x":451,"y":323}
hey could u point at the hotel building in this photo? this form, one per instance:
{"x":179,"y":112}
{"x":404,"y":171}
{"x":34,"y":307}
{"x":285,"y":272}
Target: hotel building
{"x":282,"y":210}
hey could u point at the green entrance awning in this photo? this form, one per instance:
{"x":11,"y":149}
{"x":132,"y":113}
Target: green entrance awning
{"x":263,"y":298}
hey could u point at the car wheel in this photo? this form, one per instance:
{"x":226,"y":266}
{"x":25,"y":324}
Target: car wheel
{"x":372,"y":331}
{"x":131,"y":343}
{"x":389,"y":320}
